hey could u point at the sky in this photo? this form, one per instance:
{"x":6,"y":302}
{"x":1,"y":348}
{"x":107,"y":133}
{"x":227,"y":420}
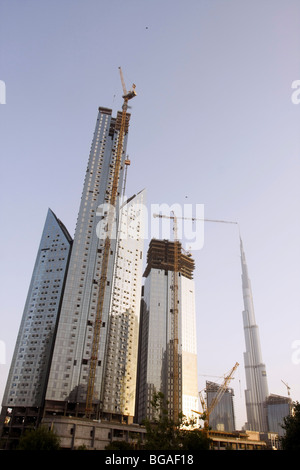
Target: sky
{"x":213,"y":124}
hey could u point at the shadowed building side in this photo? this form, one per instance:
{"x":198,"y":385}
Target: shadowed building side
{"x":23,"y":400}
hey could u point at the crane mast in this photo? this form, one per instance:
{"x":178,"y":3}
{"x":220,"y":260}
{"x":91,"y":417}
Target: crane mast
{"x":175,"y":351}
{"x":106,"y":251}
{"x":287,"y":387}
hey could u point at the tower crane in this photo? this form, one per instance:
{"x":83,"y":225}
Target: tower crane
{"x":287,"y":387}
{"x":207,"y":410}
{"x":214,"y":376}
{"x":128,"y":95}
{"x":175,"y":351}
{"x":175,"y":218}
{"x":103,"y":277}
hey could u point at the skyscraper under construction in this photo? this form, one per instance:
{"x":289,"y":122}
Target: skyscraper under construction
{"x":76,"y":352}
{"x":167,"y":356}
{"x":94,"y":359}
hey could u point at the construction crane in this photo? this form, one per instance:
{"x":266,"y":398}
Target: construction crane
{"x":175,"y":218}
{"x":106,"y":251}
{"x":288,"y":388}
{"x":214,"y":376}
{"x":221,"y":390}
{"x":127,"y":95}
{"x":175,"y":351}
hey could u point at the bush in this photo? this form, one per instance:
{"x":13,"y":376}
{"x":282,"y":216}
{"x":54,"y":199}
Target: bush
{"x":39,"y":439}
{"x":291,"y":439}
{"x":163,"y":434}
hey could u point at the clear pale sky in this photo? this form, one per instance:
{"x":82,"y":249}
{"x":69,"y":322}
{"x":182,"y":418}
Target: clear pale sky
{"x":213,"y":124}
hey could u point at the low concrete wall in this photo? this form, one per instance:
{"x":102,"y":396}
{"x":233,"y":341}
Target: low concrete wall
{"x":75,"y":433}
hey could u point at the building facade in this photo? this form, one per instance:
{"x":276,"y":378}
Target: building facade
{"x":156,"y":372}
{"x":278,"y":408}
{"x":73,"y":353}
{"x":255,"y":370}
{"x":27,"y":380}
{"x":222,"y":416}
{"x":51,"y":368}
{"x":118,"y":392}
{"x":75,"y":433}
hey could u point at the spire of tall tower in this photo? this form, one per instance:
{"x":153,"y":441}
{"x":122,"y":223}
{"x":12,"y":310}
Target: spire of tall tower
{"x":256,"y":377}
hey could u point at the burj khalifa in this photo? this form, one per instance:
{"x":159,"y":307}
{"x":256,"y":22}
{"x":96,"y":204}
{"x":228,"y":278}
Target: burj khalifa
{"x":255,"y":370}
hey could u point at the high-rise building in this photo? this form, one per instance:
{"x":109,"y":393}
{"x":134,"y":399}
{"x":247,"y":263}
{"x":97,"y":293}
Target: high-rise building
{"x":92,"y":275}
{"x":27,"y":380}
{"x":156,"y":353}
{"x":278,"y":408}
{"x":222,"y":416}
{"x":255,"y":370}
{"x":118,"y":391}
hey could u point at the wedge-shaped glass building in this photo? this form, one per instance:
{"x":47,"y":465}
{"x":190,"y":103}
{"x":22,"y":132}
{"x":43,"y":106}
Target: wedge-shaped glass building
{"x":24,"y":395}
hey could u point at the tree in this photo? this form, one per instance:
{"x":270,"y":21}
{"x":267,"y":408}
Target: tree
{"x":163,"y":434}
{"x":195,"y":439}
{"x":39,"y":439}
{"x":291,"y":439}
{"x":119,"y":445}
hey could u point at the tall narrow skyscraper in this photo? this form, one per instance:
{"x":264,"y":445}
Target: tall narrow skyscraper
{"x":92,"y":275}
{"x":156,"y":365}
{"x":25,"y":390}
{"x":118,"y":392}
{"x":256,"y":377}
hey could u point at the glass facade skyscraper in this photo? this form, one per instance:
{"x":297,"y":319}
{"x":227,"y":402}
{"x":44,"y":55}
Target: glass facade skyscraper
{"x":118,"y":392}
{"x":278,"y":408}
{"x":156,"y":372}
{"x":70,"y":368}
{"x":27,"y":380}
{"x":256,"y":376}
{"x":51,"y":367}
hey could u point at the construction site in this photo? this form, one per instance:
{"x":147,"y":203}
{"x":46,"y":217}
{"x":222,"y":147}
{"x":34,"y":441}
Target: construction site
{"x":101,"y":378}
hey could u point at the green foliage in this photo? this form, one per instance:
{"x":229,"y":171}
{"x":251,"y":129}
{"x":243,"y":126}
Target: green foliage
{"x":195,"y":439}
{"x":119,"y":445}
{"x":39,"y":439}
{"x":163,"y":434}
{"x":291,"y":439}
